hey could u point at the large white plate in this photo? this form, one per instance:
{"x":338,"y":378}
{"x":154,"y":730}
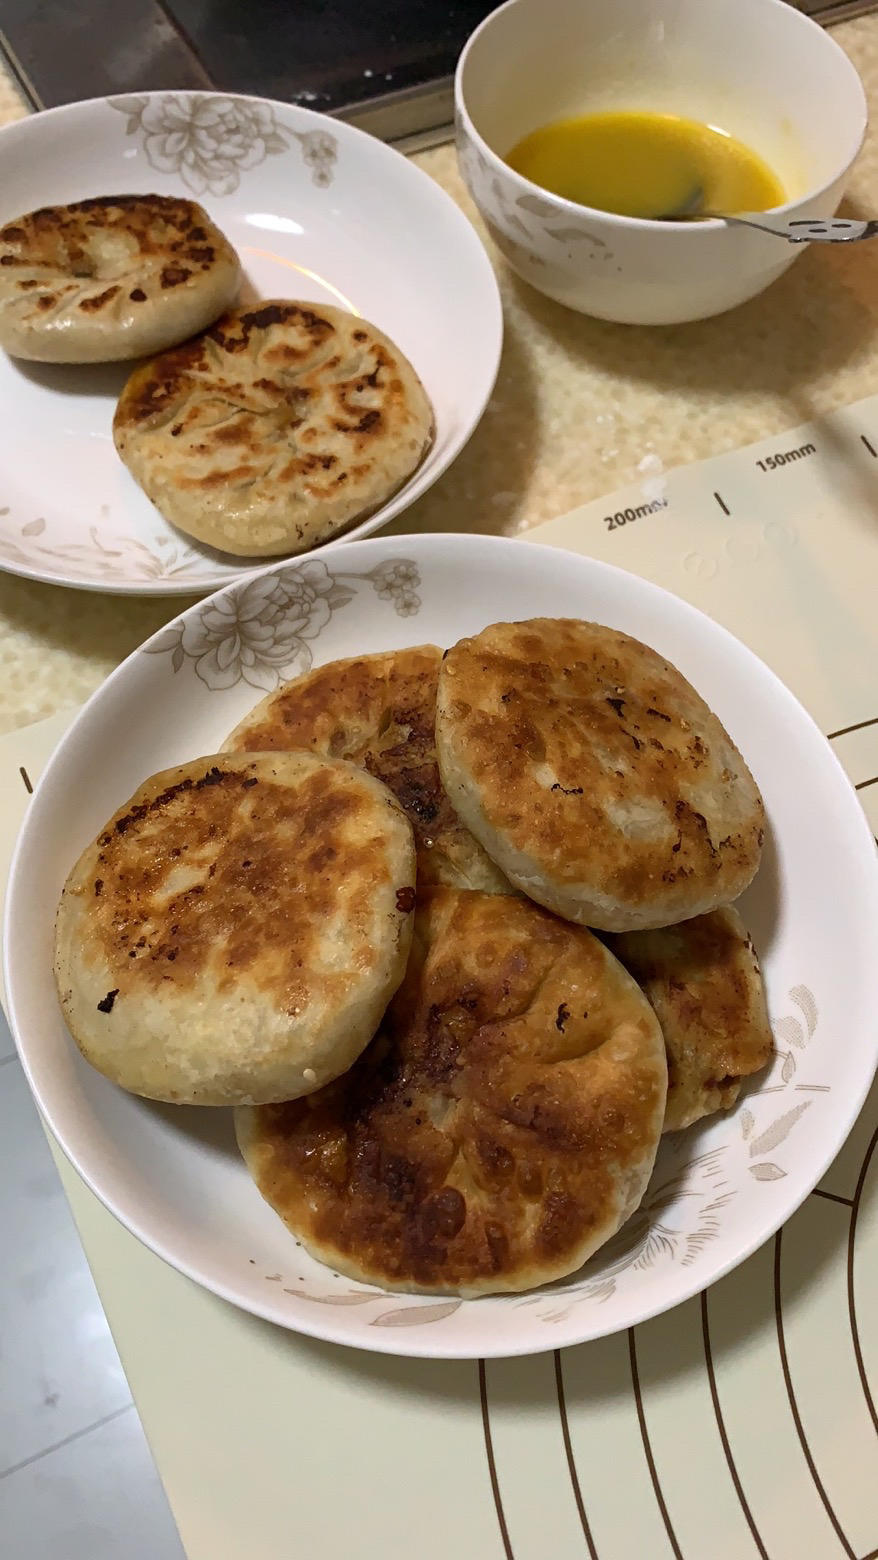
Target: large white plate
{"x":316,"y":210}
{"x":173,"y":1175}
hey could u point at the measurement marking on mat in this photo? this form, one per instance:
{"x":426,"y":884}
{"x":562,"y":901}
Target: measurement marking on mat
{"x":723,"y":507}
{"x":869,"y":447}
{"x":26,"y":779}
{"x":861,"y":784}
{"x":785,"y":457}
{"x":845,"y":731}
{"x":634,"y":512}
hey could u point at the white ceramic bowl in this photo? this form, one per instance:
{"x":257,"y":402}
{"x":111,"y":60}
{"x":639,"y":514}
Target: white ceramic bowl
{"x":173,"y":1174}
{"x":757,"y":68}
{"x":316,"y":210}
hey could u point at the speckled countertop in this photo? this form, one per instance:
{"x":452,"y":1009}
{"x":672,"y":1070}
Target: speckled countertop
{"x":580,"y":408}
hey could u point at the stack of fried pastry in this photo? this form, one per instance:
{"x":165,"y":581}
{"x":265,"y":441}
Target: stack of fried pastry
{"x":369,"y":923}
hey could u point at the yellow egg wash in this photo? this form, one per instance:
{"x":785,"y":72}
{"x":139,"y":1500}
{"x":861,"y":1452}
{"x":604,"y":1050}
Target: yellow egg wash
{"x":646,"y":165}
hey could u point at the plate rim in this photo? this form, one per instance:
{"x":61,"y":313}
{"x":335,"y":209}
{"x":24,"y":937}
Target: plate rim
{"x":491,"y":307}
{"x":431,"y":1345}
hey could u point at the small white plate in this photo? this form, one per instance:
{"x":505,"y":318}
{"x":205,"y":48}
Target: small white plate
{"x":174,"y":1176}
{"x":316,"y":210}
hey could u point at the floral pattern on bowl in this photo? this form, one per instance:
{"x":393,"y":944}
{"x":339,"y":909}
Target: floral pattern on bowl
{"x":113,"y":558}
{"x":211,"y":140}
{"x":528,"y":229}
{"x":261,"y":635}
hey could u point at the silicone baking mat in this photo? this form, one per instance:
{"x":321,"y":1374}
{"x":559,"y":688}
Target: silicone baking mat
{"x":742,"y":1424}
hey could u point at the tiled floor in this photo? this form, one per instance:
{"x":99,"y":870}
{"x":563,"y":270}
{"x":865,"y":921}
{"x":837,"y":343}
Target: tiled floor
{"x":76,"y":1478}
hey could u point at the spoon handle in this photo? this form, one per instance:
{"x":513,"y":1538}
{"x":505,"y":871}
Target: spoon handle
{"x":807,"y":230}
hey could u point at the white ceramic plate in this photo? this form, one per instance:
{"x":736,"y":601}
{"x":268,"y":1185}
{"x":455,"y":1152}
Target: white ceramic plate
{"x":173,"y":1175}
{"x":316,"y":210}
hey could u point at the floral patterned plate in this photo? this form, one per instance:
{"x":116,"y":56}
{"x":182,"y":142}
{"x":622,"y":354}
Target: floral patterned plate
{"x":174,"y":1176}
{"x":316,"y":210}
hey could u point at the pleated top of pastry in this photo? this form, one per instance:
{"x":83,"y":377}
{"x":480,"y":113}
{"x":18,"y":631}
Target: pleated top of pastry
{"x":114,"y":277}
{"x":275,"y":428}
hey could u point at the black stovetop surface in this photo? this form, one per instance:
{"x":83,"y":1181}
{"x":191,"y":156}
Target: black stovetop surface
{"x":328,"y":54}
{"x":337,"y":53}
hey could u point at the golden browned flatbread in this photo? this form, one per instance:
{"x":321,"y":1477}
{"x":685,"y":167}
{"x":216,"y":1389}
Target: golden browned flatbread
{"x":114,"y":277}
{"x":703,"y":979}
{"x":279,"y":426}
{"x":594,"y":774}
{"x":379,"y":711}
{"x":236,"y":930}
{"x":500,"y":1127}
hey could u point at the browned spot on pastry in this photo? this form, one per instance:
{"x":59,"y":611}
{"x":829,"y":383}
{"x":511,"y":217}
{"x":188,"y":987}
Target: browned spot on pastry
{"x":379,"y":711}
{"x":134,"y":904}
{"x":474,"y":1146}
{"x":94,"y":304}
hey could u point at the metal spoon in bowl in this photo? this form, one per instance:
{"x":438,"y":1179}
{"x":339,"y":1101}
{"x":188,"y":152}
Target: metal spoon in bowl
{"x":796,"y":230}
